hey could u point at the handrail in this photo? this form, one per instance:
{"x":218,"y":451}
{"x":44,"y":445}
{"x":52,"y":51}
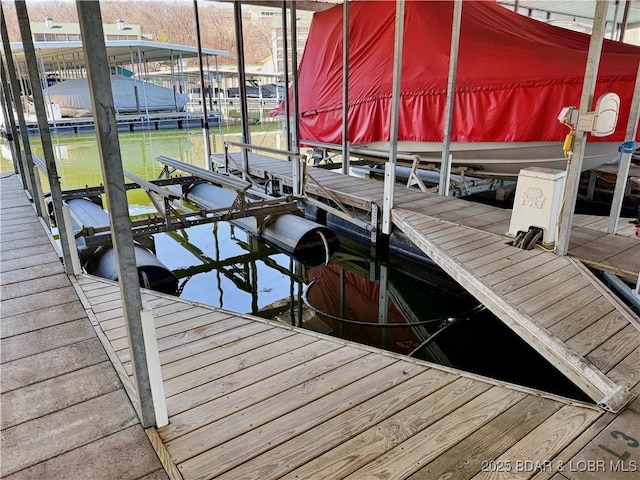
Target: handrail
{"x":228,"y":181}
{"x":150,"y":187}
{"x":410,"y":157}
{"x":248,"y":146}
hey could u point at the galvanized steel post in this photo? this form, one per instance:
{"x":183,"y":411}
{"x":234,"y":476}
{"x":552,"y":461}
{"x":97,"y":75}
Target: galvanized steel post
{"x":345,"y":87}
{"x":205,"y":118}
{"x":242,"y":79}
{"x":295,"y":142}
{"x":625,"y":20}
{"x":92,"y":35}
{"x":14,"y":84}
{"x":285,"y":66}
{"x":625,"y":159}
{"x":390,"y":167}
{"x":7,"y":114}
{"x":445,"y":163}
{"x":45,"y":134}
{"x":574,"y":169}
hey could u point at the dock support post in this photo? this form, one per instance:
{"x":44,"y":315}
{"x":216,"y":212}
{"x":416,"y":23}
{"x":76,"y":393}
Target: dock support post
{"x":38,"y":198}
{"x":625,"y":159}
{"x":574,"y":168}
{"x":445,"y":165}
{"x":43,"y":126}
{"x":285,"y":57}
{"x":390,"y":166}
{"x":205,"y":118}
{"x":7,"y":113}
{"x":92,"y":35}
{"x":625,"y":19}
{"x":295,"y":141}
{"x":242,"y":87}
{"x":345,"y":88}
{"x":14,"y":84}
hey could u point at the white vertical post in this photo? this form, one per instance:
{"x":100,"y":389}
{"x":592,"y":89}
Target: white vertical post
{"x":39,"y":196}
{"x":75,"y":259}
{"x":153,"y":364}
{"x":447,"y":177}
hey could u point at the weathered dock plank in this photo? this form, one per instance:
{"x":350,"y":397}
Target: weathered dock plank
{"x":64,"y":412}
{"x":326,"y":409}
{"x":551,"y":288}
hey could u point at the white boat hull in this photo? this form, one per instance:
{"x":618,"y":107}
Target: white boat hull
{"x":500,"y":158}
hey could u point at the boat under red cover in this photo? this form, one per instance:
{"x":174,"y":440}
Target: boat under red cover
{"x":514,"y":76}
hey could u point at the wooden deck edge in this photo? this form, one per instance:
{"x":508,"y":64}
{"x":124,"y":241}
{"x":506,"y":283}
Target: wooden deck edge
{"x":86,"y":304}
{"x":47,"y":232}
{"x":395,"y":356}
{"x":603,"y":268}
{"x":163,"y":454}
{"x":631,"y":317}
{"x":106,"y":344}
{"x":156,"y":442}
{"x":591,"y":380}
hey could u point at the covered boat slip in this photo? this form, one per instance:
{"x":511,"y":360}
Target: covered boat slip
{"x":62,"y":402}
{"x":250,"y":398}
{"x":553,"y":302}
{"x":140,"y":104}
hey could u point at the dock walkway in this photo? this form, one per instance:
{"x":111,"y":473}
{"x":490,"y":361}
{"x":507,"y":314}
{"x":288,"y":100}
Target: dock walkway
{"x":64,"y":412}
{"x":249,"y":398}
{"x":617,"y":254}
{"x":554,"y":303}
{"x":254,"y":399}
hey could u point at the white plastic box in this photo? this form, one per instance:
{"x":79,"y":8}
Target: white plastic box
{"x":537,"y":201}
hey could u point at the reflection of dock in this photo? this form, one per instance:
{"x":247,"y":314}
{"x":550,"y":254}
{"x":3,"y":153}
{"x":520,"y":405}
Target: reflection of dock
{"x":554,"y":303}
{"x":248,"y":398}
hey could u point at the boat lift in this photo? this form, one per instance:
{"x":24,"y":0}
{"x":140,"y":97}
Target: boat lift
{"x":425,"y":175}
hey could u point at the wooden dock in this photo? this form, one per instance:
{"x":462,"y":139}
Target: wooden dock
{"x":64,"y":412}
{"x":618,"y":254}
{"x":250,"y":399}
{"x":253,"y":399}
{"x":554,"y":303}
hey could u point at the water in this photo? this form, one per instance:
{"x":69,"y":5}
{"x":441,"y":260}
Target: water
{"x":220,"y":265}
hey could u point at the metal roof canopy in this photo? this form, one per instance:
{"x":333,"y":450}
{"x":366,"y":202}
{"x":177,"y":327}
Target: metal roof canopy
{"x":580,"y":9}
{"x":118,"y":51}
{"x":309,"y":5}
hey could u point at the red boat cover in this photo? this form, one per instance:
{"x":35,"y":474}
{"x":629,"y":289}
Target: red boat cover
{"x":514,"y":74}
